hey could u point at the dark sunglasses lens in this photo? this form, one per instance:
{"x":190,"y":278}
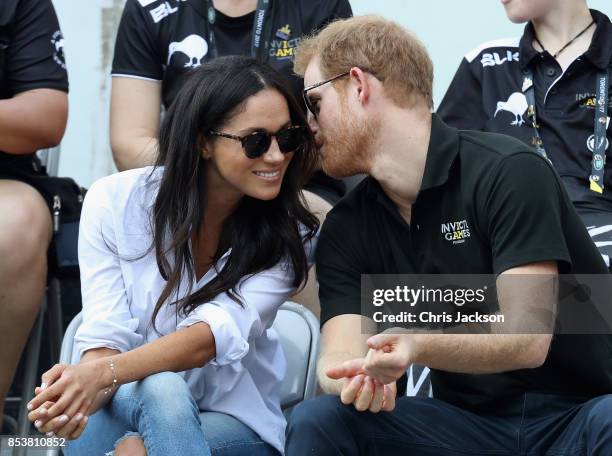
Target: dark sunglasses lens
{"x":256,"y":144}
{"x":290,"y":139}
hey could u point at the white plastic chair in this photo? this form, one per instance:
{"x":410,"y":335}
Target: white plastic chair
{"x":298,"y":331}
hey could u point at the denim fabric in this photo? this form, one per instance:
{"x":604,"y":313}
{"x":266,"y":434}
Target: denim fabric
{"x":532,"y":425}
{"x":162,"y":411}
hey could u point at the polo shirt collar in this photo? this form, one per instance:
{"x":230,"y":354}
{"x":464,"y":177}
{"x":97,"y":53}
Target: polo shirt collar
{"x":441,"y":153}
{"x":599,"y":52}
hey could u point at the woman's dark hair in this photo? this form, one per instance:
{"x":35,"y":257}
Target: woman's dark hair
{"x":259,"y":233}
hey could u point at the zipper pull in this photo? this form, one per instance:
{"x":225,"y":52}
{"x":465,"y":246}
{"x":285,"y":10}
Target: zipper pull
{"x":57,"y":209}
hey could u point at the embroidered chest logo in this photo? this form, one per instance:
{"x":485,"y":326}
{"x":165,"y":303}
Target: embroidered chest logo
{"x":493,"y":59}
{"x":194,"y":47}
{"x":282,"y":47}
{"x":516,"y":104}
{"x":456,"y":232}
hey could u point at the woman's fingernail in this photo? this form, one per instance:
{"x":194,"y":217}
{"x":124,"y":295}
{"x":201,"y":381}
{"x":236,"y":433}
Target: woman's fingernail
{"x":30,"y":406}
{"x":43,"y":385}
{"x":78,"y":417}
{"x":37,"y":423}
{"x":50,"y":434}
{"x":63,"y":418}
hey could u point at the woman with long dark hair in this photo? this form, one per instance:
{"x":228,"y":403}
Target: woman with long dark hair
{"x":184,"y":266}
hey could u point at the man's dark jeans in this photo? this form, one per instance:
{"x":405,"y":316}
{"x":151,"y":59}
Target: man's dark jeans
{"x":534,"y":424}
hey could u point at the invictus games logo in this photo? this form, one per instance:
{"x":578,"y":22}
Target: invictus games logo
{"x":57,"y":40}
{"x":456,"y":232}
{"x":282,"y":47}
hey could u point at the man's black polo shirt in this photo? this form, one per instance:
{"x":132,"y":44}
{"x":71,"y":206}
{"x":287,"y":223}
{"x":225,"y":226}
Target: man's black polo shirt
{"x":486,"y":94}
{"x":515,"y":212}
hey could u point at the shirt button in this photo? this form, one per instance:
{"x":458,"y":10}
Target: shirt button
{"x":551,"y":72}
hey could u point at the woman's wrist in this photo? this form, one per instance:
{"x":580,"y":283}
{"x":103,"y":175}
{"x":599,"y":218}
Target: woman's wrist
{"x":107,"y":375}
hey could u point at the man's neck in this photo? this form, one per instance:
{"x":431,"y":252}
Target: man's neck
{"x":399,"y":162}
{"x":562,"y":24}
{"x":235,"y":8}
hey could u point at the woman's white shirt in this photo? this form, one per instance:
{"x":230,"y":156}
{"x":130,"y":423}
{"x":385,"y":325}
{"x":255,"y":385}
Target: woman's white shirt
{"x":120,"y":287}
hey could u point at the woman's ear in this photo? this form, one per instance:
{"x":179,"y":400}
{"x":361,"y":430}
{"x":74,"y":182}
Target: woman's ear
{"x":205,"y":148}
{"x":204,"y":152}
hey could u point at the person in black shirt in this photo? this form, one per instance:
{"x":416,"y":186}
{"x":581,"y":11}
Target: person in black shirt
{"x":503,"y":393}
{"x":33,"y":112}
{"x":159,"y":41}
{"x":559,"y":66}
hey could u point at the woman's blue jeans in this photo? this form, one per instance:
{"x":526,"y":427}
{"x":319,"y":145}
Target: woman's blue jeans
{"x":161,"y":410}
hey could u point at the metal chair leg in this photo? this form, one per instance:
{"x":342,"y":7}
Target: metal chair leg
{"x":30,"y":375}
{"x":56,"y":329}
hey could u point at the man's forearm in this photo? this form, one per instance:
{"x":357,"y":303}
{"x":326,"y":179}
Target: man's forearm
{"x":480,"y":353}
{"x":329,"y":385}
{"x":32,"y":120}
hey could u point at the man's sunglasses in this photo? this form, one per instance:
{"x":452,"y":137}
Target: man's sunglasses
{"x":314,"y":107}
{"x":256,"y":144}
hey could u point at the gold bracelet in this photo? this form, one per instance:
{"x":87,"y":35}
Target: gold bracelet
{"x":113,"y":385}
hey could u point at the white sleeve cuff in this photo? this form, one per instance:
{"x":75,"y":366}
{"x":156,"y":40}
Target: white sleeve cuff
{"x":116,"y":335}
{"x":229,"y":343}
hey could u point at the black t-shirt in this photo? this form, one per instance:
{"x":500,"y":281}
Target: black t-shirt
{"x":149,"y":28}
{"x":31,"y":49}
{"x":486,"y":94}
{"x":516,"y":213}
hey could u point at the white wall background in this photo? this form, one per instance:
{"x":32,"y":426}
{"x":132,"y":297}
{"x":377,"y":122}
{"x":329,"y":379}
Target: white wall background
{"x":449,"y":28}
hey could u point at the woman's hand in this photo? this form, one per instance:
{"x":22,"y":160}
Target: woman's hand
{"x":63,"y":400}
{"x":71,"y":430}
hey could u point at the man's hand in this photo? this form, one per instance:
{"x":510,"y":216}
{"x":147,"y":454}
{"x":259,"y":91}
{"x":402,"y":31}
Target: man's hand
{"x":361,"y":390}
{"x":389,"y":356}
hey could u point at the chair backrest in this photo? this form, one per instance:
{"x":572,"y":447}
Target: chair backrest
{"x":49,"y":158}
{"x":298,"y":331}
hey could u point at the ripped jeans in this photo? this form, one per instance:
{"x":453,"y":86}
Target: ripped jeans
{"x":161,"y":410}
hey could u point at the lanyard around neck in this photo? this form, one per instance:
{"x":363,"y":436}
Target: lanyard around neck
{"x":259,"y":23}
{"x":598,"y":160}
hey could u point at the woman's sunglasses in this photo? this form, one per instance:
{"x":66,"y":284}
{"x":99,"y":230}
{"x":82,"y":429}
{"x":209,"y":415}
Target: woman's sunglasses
{"x":256,"y":144}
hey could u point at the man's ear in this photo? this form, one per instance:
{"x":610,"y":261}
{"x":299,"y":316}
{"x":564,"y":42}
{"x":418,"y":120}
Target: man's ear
{"x":360,"y":81}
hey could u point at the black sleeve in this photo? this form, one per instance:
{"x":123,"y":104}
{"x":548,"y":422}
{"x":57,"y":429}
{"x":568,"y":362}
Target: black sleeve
{"x":522,"y":205}
{"x":317,"y":14}
{"x":461,"y":106}
{"x":34,"y":56}
{"x":338,"y":271}
{"x":135,"y":51}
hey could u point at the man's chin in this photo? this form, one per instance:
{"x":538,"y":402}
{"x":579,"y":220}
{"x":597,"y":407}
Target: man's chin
{"x":336,"y":170}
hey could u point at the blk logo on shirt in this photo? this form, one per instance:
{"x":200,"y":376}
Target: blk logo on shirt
{"x":494,"y":58}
